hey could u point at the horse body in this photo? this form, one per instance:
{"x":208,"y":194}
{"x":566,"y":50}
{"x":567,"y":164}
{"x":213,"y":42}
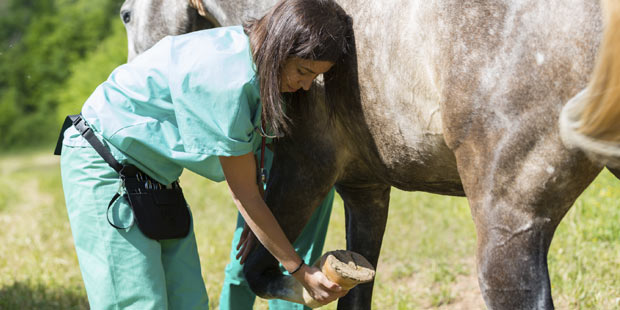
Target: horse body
{"x":448,"y":97}
{"x":229,"y":13}
{"x":147,"y":22}
{"x":399,"y":94}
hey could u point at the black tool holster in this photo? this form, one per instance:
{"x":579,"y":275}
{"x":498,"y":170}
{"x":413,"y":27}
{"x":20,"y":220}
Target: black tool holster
{"x":160,"y":211}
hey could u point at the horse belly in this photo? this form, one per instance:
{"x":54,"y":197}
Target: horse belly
{"x":400,"y":96}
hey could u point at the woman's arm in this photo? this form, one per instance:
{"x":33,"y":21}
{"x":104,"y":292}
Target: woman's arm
{"x":240,"y":172}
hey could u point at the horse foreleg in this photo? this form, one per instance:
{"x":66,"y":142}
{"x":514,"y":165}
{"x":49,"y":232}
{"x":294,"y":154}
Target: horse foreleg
{"x":366,"y":210}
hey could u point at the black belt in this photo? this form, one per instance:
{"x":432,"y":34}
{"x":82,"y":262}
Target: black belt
{"x":78,"y":122}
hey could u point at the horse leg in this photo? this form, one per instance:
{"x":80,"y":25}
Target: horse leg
{"x":294,"y":191}
{"x":518,"y":195}
{"x":615,"y":172}
{"x":366,"y":210}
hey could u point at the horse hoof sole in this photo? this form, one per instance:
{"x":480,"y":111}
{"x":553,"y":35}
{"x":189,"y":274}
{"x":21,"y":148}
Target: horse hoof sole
{"x":346,"y":268}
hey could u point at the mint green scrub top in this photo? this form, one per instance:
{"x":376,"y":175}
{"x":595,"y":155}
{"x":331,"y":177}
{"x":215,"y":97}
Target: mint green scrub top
{"x":181,"y":104}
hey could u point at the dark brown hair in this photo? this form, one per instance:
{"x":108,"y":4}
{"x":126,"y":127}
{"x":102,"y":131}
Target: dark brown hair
{"x":308,"y":29}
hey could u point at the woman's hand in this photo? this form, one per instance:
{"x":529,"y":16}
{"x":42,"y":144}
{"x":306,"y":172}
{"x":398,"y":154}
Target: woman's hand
{"x":246,"y":244}
{"x":318,"y":285}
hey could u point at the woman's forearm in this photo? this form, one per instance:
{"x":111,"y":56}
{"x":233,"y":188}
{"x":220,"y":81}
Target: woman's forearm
{"x":240,"y":172}
{"x":266,"y":228}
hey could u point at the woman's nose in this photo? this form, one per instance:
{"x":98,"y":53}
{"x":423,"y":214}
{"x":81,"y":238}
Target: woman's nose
{"x":306,"y":83}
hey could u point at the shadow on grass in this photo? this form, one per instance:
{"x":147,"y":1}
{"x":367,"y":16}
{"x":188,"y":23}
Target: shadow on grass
{"x":25,"y":295}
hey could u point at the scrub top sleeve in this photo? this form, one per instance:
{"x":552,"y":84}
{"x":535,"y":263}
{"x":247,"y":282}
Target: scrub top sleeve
{"x":216,"y":122}
{"x":213,"y":91}
{"x":145,"y":79}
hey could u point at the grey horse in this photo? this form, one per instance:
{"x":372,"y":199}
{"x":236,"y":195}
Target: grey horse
{"x":449,"y":97}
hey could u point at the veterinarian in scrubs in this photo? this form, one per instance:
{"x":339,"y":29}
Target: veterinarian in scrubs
{"x":194,"y":101}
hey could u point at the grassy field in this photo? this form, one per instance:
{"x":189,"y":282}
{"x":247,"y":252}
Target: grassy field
{"x":427,"y":261}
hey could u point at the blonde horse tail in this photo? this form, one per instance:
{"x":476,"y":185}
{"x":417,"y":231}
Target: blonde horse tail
{"x":600,"y":118}
{"x":590,"y":121}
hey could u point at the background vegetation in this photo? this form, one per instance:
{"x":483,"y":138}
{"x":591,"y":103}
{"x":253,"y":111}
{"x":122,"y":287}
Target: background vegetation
{"x":53,"y":53}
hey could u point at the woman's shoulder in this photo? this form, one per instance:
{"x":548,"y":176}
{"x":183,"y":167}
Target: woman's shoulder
{"x":215,"y":59}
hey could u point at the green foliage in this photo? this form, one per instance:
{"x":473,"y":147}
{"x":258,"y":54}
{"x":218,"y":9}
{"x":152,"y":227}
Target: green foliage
{"x":40,"y":42}
{"x":15,"y":16}
{"x":91,"y":71}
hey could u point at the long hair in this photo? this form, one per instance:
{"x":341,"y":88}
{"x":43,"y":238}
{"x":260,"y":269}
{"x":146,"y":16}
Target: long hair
{"x":308,"y":29}
{"x":600,"y":118}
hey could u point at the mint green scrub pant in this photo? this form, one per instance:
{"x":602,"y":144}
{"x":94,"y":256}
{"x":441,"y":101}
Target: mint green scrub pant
{"x":123,"y":269}
{"x":236,"y":293}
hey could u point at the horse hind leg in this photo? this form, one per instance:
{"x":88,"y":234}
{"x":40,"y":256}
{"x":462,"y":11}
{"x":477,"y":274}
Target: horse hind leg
{"x":366,"y":210}
{"x":518,"y":196}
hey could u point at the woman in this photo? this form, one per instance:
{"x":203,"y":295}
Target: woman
{"x":194,"y":101}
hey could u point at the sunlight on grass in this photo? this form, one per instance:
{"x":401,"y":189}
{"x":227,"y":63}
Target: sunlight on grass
{"x":427,"y":259}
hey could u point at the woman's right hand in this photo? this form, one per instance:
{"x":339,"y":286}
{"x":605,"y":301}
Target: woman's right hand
{"x":318,"y":285}
{"x":246,"y":244}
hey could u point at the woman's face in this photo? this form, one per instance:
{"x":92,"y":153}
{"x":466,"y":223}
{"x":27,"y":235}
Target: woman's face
{"x":299,"y":73}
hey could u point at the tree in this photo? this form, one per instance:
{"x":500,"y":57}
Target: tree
{"x":41,"y":41}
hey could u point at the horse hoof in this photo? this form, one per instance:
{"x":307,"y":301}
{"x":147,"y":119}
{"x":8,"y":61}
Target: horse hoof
{"x":346,"y":268}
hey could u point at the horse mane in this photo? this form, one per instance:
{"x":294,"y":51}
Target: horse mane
{"x":600,"y":118}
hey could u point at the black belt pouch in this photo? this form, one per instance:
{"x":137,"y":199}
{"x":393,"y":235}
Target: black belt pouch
{"x":160,"y":213}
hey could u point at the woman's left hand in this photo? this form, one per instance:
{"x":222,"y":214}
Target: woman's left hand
{"x":247,"y":241}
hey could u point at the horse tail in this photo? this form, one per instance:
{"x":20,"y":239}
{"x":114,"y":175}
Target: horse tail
{"x":600,"y":118}
{"x":590,"y":121}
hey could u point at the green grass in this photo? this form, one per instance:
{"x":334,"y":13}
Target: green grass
{"x":427,"y":260}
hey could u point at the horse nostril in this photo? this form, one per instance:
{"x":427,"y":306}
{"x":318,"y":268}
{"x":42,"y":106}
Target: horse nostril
{"x":126,"y":16}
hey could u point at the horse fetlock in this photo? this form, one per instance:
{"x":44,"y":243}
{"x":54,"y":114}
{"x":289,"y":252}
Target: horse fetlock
{"x":511,"y":278}
{"x":516,"y":298}
{"x":293,"y":291}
